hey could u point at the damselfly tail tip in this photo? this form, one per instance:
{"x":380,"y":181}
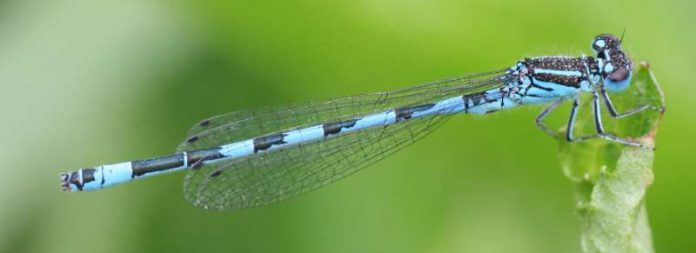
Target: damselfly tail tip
{"x":65,"y":181}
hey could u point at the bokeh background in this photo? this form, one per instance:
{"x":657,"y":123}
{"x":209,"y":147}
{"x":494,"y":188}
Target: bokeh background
{"x":85,"y":83}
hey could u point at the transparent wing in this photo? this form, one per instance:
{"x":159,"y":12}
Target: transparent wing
{"x":275,"y":176}
{"x":280,"y":174}
{"x":242,"y":125}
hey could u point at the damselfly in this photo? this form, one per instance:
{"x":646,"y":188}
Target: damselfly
{"x":254,"y":158}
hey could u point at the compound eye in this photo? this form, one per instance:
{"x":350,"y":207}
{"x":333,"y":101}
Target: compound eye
{"x":618,"y":80}
{"x":619,"y":75}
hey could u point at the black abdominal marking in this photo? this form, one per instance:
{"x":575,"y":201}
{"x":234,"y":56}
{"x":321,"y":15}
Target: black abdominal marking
{"x":405,"y":113}
{"x":337,"y":127}
{"x":265,"y":142}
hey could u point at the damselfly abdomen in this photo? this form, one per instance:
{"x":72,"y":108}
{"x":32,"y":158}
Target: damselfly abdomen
{"x":253,"y":158}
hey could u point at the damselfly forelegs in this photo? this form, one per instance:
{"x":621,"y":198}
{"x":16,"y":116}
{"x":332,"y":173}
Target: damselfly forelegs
{"x":599,"y":94}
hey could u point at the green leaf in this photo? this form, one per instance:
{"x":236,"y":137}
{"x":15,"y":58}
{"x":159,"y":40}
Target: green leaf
{"x":611,"y":179}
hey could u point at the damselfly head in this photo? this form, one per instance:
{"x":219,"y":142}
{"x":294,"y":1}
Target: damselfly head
{"x":614,"y":65}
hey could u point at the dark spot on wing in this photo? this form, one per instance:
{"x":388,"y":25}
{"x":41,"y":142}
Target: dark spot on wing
{"x":192,"y":139}
{"x":204,"y":123}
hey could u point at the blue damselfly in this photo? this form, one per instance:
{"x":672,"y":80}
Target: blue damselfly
{"x":253,"y":158}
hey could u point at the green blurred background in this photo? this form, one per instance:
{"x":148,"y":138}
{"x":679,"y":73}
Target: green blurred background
{"x":92,"y":82}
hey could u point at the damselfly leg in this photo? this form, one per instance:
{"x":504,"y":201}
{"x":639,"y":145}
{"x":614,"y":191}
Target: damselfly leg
{"x":597,"y":116}
{"x":540,"y":119}
{"x":618,"y":115}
